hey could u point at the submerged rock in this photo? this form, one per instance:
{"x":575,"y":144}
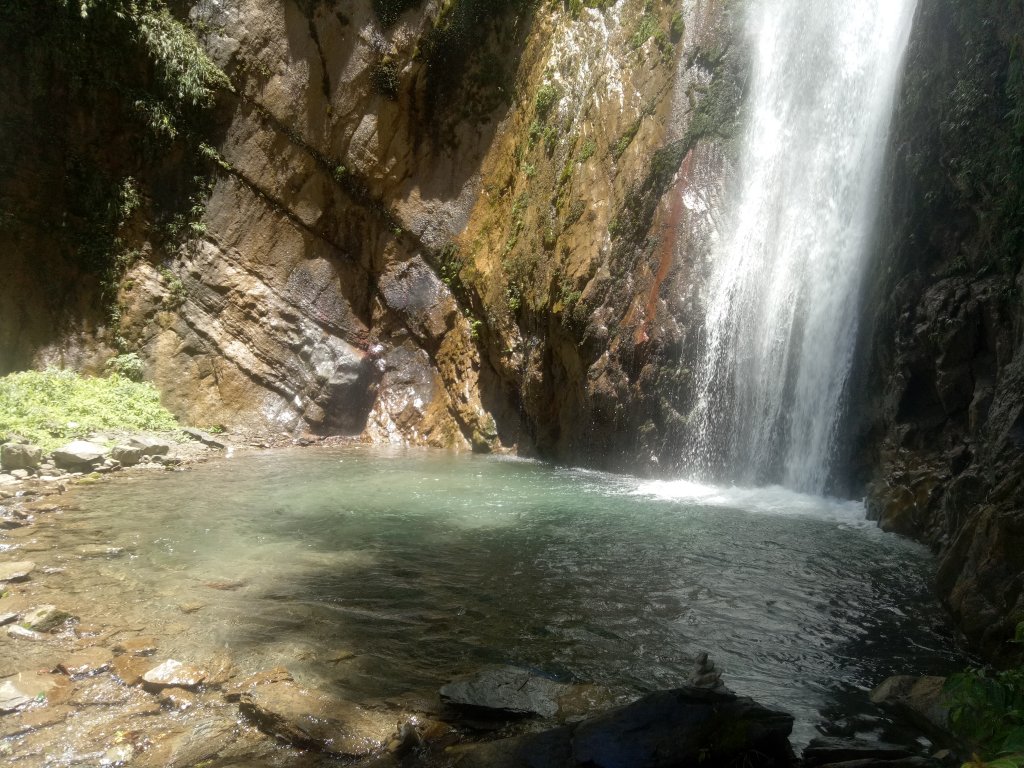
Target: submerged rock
{"x":316,"y":721}
{"x":90,"y":661}
{"x":16,"y":571}
{"x":43,"y":618}
{"x":173,"y":673}
{"x":506,"y":690}
{"x":666,"y":729}
{"x":26,"y":688}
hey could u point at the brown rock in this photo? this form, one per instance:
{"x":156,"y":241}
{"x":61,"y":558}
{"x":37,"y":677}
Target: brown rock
{"x":89,"y":661}
{"x":315,"y":721}
{"x":131,"y":669}
{"x":17,"y":571}
{"x":173,"y":673}
{"x":276,"y":675}
{"x":137,"y":646}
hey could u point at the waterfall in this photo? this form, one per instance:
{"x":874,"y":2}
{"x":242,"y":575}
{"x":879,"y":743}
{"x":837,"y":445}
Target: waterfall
{"x":782,"y":296}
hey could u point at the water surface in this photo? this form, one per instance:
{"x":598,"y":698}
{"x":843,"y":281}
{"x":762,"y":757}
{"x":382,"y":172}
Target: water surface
{"x":426,"y":565}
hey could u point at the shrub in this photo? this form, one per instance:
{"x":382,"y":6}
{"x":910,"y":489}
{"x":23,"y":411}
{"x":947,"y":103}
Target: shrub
{"x":51,"y":407}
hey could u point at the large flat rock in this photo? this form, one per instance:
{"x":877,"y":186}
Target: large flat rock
{"x":666,"y":729}
{"x":313,"y":720}
{"x":506,"y":690}
{"x":79,"y":454}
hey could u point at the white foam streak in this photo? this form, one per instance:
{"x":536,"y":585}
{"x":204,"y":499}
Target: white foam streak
{"x":772,"y":500}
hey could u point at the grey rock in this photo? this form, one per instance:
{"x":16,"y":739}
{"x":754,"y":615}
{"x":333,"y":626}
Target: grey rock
{"x":18,"y":456}
{"x":127,"y":455}
{"x":18,"y":632}
{"x":21,"y":474}
{"x":79,"y":454}
{"x":12,"y":698}
{"x":16,"y":571}
{"x":151,"y":446}
{"x":506,"y":690}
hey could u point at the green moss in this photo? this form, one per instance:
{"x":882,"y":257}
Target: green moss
{"x":385,"y":78}
{"x":388,"y":11}
{"x":51,"y":407}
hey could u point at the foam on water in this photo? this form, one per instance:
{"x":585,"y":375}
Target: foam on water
{"x":769,"y":500}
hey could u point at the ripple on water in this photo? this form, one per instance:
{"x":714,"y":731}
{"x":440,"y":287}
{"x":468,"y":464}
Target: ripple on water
{"x":427,"y":564}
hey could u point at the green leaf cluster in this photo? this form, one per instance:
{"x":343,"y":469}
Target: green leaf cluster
{"x":51,"y":407}
{"x":986,"y":711}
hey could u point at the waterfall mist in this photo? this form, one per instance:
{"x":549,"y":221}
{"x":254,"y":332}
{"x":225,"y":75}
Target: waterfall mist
{"x":782,"y":293}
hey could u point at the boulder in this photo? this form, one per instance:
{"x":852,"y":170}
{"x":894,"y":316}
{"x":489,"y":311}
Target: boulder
{"x":126,"y":455}
{"x":666,"y":729}
{"x":506,"y":691}
{"x":18,"y":456}
{"x":150,"y":446}
{"x":312,"y":720}
{"x":78,"y":455}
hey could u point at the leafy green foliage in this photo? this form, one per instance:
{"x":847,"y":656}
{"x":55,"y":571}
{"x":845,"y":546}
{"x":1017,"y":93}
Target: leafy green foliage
{"x":136,"y":92}
{"x":51,"y":407}
{"x":128,"y":365}
{"x":986,"y":711}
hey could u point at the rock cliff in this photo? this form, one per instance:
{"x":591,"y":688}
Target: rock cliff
{"x":940,"y":412}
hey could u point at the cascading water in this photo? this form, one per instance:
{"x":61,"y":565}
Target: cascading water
{"x":783,"y":293}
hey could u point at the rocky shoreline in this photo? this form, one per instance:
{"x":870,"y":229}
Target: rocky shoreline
{"x":82,"y":686}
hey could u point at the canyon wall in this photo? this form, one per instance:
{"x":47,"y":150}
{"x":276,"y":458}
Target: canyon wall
{"x":938,"y":410}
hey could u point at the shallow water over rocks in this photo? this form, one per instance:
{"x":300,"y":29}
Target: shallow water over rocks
{"x":379,"y":575}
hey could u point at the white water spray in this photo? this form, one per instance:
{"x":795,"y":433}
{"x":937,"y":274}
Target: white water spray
{"x":783,"y":293}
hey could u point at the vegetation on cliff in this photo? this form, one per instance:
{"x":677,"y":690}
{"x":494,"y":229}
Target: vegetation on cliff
{"x":48,"y":408}
{"x":125,"y":91}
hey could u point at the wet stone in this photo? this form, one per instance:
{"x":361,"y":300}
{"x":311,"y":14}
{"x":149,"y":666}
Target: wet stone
{"x":44,"y":618}
{"x":313,"y":720}
{"x":137,"y":646}
{"x":173,"y":673}
{"x":17,"y":571}
{"x":37,"y":688}
{"x":89,"y":661}
{"x":32,"y":720}
{"x":130,"y":669}
{"x":506,"y":691}
{"x":98,"y":550}
{"x":265,"y":677}
{"x":178,"y":698}
{"x":18,"y":632}
{"x":7,"y":617}
{"x":101,"y":691}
